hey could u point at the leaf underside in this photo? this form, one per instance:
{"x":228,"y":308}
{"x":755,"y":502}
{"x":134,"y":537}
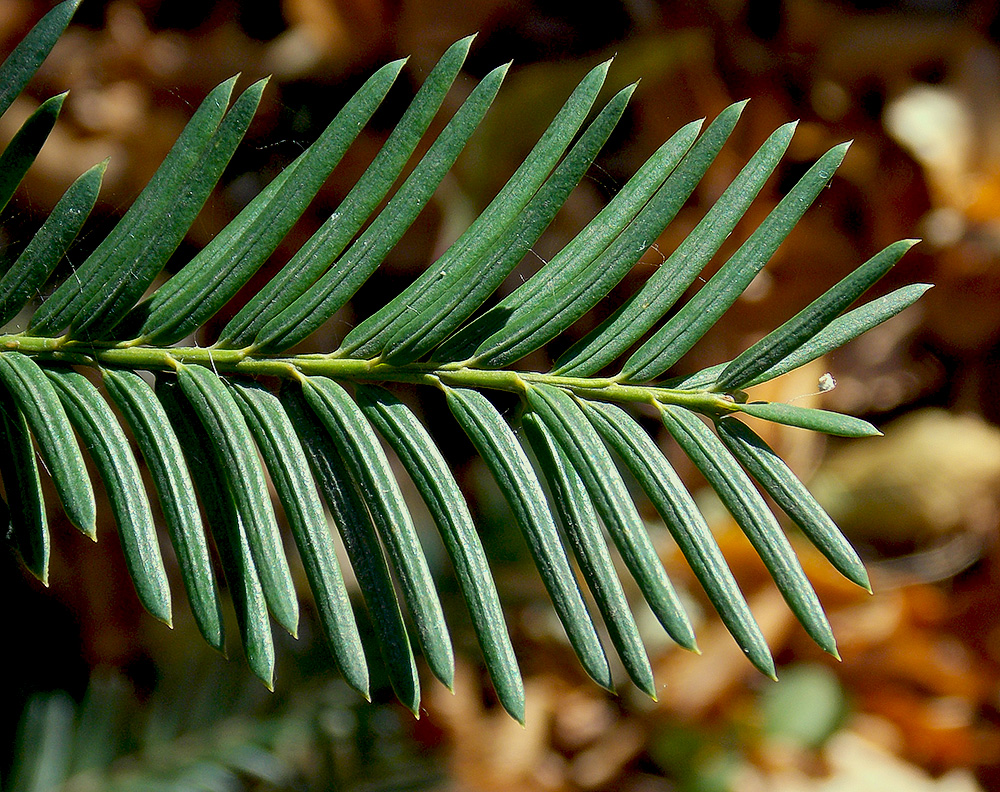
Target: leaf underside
{"x":222,"y":420}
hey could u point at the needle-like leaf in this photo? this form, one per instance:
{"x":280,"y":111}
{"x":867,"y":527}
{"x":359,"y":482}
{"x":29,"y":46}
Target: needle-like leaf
{"x":371,"y":336}
{"x":671,"y":279}
{"x":228,"y":531}
{"x":579,"y":520}
{"x":29,"y":529}
{"x":108,"y":269}
{"x":289,"y":470}
{"x":315,"y":256}
{"x":809,"y":418}
{"x":790,"y":494}
{"x":103,"y":437}
{"x":469,"y":280}
{"x":804,"y":326}
{"x":22,"y":150}
{"x":841,"y":330}
{"x":533,"y":325}
{"x":355,"y":525}
{"x":39,"y":403}
{"x":512,"y":472}
{"x":680,"y":514}
{"x":324,"y":298}
{"x":369,"y":468}
{"x":433,"y":479}
{"x":49,"y":244}
{"x":743,"y":501}
{"x":214,"y":276}
{"x":845,"y":328}
{"x":590,"y":458}
{"x":690,"y":323}
{"x":162,"y":452}
{"x":132,"y":265}
{"x":240,"y":470}
{"x":21,"y":65}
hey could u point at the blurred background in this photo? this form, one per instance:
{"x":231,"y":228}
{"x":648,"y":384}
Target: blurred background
{"x":915,"y":704}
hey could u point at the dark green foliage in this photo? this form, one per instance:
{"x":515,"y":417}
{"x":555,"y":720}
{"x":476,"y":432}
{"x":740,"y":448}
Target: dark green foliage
{"x":224,"y":419}
{"x":209,"y":728}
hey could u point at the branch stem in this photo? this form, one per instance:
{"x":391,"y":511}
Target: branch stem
{"x":243,"y":362}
